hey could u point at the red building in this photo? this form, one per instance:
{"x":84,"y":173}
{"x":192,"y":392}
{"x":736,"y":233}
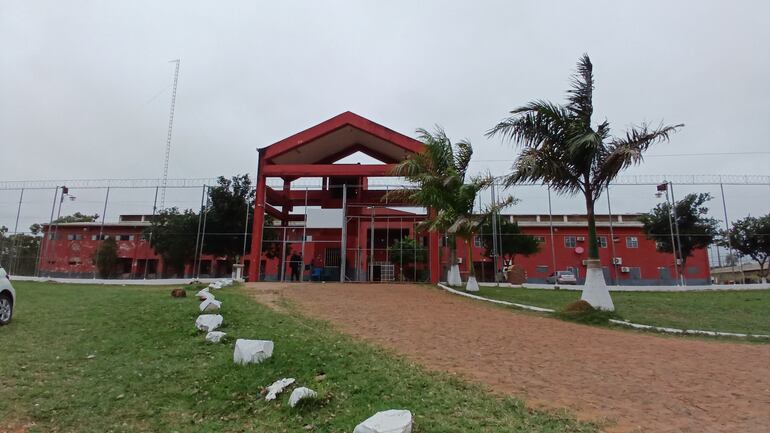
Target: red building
{"x":68,"y":250}
{"x":313,"y":154}
{"x":627,"y":256}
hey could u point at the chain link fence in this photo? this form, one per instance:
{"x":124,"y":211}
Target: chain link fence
{"x":378,"y":242}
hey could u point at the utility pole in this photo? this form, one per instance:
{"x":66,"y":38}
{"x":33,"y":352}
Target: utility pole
{"x":168,"y":136}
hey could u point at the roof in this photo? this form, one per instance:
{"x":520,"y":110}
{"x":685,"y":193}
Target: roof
{"x":99,"y":224}
{"x":575,"y":220}
{"x":338,"y":137}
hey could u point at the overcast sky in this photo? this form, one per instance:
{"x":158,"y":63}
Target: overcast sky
{"x":85,"y":86}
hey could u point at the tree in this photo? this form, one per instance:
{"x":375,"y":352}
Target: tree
{"x":106,"y":258}
{"x":77,"y":217}
{"x":226,"y":216}
{"x":439,"y":173}
{"x":561,"y":148}
{"x":18,"y":252}
{"x":173,"y":236}
{"x":407,"y":252}
{"x":751,"y":237}
{"x":512,"y":241}
{"x":696,"y":229}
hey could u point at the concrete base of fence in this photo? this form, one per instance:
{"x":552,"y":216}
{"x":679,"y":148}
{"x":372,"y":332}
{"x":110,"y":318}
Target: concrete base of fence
{"x":153,"y":282}
{"x":693,"y":288}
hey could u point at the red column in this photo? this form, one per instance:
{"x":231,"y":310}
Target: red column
{"x":433,"y":253}
{"x":259,"y":221}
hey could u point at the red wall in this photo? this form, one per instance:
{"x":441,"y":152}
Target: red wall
{"x":645,"y":257}
{"x":59,"y":253}
{"x":59,"y":257}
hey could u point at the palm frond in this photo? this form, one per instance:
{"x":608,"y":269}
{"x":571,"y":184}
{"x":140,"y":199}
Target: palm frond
{"x":532,"y":124}
{"x":625,"y":152}
{"x":463,"y":151}
{"x":580,"y":96}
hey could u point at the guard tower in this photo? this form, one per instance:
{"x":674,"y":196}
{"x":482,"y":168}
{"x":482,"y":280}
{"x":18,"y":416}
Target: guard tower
{"x":312,"y":153}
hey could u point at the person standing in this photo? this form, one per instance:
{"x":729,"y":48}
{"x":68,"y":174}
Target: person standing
{"x":295,"y":263}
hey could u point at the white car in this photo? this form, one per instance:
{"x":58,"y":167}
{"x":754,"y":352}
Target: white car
{"x":7,"y":298}
{"x":561,"y":277}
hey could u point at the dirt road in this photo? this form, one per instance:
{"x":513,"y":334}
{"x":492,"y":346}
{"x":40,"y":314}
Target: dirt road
{"x":638,"y":382}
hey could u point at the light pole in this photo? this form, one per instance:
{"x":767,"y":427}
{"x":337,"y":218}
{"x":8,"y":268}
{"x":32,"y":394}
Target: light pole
{"x":675,"y":243}
{"x":64,"y":192}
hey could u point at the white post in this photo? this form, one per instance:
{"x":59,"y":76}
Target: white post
{"x":344,"y":240}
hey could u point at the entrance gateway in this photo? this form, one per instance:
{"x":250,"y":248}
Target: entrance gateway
{"x":368,"y":224}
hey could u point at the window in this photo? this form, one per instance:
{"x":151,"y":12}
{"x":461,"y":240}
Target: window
{"x":74,"y":261}
{"x":574,"y":271}
{"x":124,"y":237}
{"x":632,"y":242}
{"x":601,"y":241}
{"x":74,"y":237}
{"x":541,"y":269}
{"x":332,"y":257}
{"x":540,"y":239}
{"x":99,"y":237}
{"x":477,"y":242}
{"x":570,"y":241}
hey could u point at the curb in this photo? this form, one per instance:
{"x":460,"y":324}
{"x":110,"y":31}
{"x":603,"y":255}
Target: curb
{"x":495,"y":301}
{"x":613,"y":321}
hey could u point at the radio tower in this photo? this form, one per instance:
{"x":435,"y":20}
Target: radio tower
{"x":168,"y":137}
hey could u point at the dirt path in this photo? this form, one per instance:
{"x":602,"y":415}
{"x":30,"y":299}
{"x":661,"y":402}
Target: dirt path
{"x":638,"y":382}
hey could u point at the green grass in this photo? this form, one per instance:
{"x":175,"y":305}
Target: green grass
{"x":732,"y":311}
{"x":153,"y":372}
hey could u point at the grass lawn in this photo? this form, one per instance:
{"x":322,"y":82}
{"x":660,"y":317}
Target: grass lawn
{"x":733,"y":311}
{"x":152,"y":371}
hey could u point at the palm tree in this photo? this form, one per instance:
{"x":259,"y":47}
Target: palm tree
{"x":439,"y":173}
{"x":561,"y":148}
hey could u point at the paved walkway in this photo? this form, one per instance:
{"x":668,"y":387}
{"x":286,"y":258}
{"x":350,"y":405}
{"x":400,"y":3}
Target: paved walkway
{"x":635,"y":382}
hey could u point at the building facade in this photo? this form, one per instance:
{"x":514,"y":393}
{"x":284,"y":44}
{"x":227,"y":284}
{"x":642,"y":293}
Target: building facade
{"x":69,"y":250}
{"x":627,"y":256}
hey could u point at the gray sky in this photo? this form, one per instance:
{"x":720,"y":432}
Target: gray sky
{"x":85,"y":86}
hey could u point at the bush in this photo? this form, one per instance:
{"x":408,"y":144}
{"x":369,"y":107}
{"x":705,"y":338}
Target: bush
{"x":106,"y":258}
{"x":582,"y":312}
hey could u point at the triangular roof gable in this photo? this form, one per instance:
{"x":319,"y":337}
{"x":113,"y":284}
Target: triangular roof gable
{"x":338,"y":137}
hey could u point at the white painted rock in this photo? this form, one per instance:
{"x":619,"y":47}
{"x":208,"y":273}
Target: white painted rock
{"x":389,"y":421}
{"x":278,"y":386}
{"x":300,"y":393}
{"x":252,"y":351}
{"x":204,"y":294}
{"x":208,"y":322}
{"x":216,"y":285}
{"x":225,"y":282}
{"x":210,"y":304}
{"x":215,"y":336}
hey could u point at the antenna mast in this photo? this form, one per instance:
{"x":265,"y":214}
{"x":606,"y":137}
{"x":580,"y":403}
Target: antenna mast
{"x":168,"y":137}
